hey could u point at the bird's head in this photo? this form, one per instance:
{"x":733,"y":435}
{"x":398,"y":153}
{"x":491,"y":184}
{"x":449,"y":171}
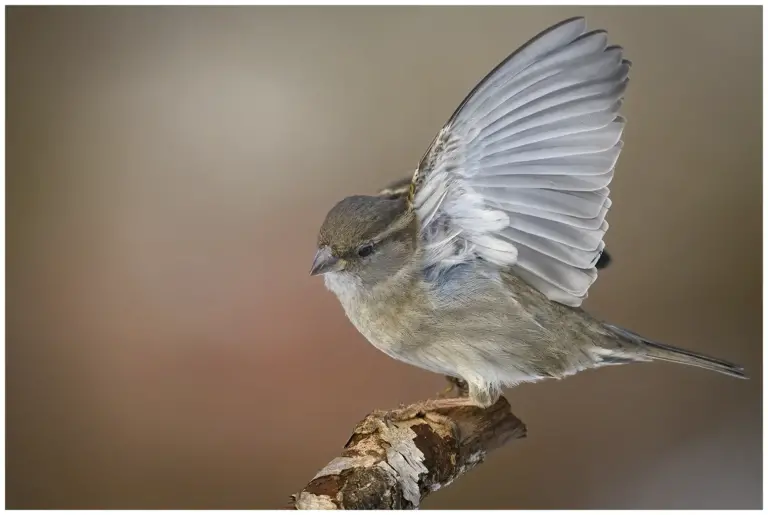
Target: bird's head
{"x":370,"y":238}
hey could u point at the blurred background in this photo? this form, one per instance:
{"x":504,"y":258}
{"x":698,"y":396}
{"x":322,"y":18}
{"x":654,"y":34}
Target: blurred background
{"x":167,"y":171}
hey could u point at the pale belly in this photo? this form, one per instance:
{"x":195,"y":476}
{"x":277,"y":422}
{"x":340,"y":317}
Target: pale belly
{"x":485,"y":338}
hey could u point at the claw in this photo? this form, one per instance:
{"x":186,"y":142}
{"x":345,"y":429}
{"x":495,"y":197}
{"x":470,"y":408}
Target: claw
{"x":454,"y":383}
{"x":444,"y":393}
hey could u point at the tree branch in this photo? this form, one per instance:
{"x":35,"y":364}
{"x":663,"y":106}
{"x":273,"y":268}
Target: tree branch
{"x":395,"y":459}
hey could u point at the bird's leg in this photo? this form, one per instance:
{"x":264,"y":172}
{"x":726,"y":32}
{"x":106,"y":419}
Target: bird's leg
{"x":454,"y":383}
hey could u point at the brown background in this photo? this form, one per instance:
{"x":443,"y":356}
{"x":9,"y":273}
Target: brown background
{"x":168,"y":169}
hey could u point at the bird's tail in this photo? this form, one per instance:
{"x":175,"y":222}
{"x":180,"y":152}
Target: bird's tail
{"x":659,"y":351}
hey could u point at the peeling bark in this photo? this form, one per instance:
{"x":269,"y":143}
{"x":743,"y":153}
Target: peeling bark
{"x":395,"y":459}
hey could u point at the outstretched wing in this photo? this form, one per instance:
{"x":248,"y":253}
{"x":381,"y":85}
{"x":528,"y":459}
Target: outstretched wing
{"x":519,"y":175}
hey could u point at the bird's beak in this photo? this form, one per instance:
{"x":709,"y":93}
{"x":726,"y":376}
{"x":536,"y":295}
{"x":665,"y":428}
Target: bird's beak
{"x":325,"y":262}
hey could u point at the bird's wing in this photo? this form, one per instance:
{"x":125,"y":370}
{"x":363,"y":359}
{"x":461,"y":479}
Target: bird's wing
{"x":401,"y":188}
{"x":519,"y":175}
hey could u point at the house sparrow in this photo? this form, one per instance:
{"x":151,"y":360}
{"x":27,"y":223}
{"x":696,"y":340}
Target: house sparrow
{"x":477,"y":266}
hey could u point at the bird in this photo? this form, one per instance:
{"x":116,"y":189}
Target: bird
{"x":476,"y":266}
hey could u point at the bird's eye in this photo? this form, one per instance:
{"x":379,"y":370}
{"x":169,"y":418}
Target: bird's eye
{"x":365,"y":250}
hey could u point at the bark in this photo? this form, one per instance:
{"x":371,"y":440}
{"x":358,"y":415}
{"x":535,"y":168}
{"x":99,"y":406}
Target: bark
{"x":395,"y":459}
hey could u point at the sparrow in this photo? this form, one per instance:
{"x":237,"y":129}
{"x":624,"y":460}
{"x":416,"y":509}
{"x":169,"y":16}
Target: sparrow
{"x":476,"y":267}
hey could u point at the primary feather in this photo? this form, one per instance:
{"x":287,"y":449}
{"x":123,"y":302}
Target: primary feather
{"x":519,"y":175}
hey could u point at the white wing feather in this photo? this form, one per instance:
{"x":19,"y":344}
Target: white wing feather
{"x":519,"y":175}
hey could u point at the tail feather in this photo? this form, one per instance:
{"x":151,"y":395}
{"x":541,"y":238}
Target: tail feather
{"x":659,"y":351}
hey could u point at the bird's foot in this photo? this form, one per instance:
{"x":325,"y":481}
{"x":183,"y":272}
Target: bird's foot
{"x":454,"y":383}
{"x":420,"y":410}
{"x":451,"y":402}
{"x":391,"y":417}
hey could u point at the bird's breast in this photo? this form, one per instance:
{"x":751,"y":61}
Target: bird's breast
{"x":389,"y":318}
